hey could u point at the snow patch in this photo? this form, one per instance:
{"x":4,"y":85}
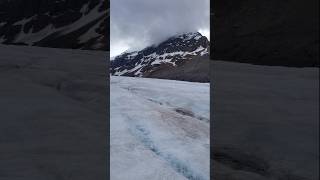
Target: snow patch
{"x":23,"y":21}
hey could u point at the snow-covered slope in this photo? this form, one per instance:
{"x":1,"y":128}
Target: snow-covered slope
{"x":53,"y":114}
{"x":173,"y":52}
{"x":266,"y":122}
{"x":80,"y":24}
{"x":159,"y":129}
{"x":266,"y":119}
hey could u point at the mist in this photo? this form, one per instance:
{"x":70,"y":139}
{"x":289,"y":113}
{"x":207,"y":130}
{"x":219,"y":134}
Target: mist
{"x":136,"y":24}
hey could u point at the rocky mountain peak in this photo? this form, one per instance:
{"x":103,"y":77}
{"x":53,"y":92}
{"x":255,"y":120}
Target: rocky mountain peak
{"x":76,"y":24}
{"x":173,"y":52}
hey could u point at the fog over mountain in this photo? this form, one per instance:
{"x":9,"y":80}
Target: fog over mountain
{"x":137,"y":24}
{"x":181,"y":57}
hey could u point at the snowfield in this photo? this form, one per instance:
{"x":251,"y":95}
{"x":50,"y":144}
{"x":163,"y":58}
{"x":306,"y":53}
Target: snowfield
{"x":54,"y":113}
{"x":159,"y":129}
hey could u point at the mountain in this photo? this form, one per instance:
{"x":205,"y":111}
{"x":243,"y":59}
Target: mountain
{"x":179,"y":57}
{"x":273,"y":32}
{"x":76,"y":24}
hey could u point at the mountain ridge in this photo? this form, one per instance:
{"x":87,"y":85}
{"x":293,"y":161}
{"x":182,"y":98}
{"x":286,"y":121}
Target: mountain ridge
{"x":172,"y":53}
{"x":81,"y":24}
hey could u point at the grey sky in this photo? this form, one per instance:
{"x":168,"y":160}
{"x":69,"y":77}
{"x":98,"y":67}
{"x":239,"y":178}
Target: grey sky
{"x":136,"y":24}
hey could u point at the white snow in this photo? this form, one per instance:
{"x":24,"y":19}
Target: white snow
{"x":91,"y":33}
{"x":84,"y":20}
{"x":85,"y":8}
{"x":165,"y":58}
{"x":23,"y":21}
{"x":204,"y":52}
{"x":87,"y":17}
{"x":199,"y":49}
{"x":30,"y":37}
{"x":151,"y":137}
{"x":120,"y":73}
{"x":189,"y":36}
{"x":2,"y":39}
{"x":133,"y":54}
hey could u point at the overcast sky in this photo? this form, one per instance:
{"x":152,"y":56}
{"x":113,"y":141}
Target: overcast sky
{"x":135,"y":24}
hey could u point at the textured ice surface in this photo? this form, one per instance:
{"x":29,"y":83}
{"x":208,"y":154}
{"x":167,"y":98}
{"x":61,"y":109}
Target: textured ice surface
{"x":159,"y":129}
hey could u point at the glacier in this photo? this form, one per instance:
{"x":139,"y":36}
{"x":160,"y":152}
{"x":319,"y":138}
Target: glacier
{"x":159,"y":129}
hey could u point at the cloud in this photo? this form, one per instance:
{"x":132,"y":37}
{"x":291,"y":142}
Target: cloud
{"x":136,"y":24}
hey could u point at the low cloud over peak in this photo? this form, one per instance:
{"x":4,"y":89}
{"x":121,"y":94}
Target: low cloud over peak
{"x":136,"y":24}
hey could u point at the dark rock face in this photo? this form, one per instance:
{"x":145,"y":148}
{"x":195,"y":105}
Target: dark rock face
{"x":194,"y":70}
{"x":274,"y":32}
{"x":168,"y":55}
{"x":77,"y":24}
